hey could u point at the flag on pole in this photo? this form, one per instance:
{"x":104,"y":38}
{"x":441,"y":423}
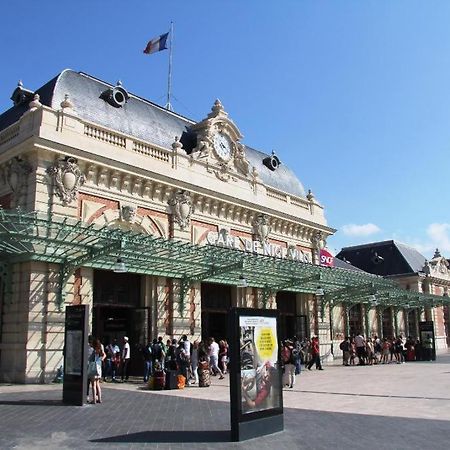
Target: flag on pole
{"x":156,"y":44}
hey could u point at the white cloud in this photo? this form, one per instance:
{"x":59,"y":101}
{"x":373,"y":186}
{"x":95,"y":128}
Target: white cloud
{"x":439,"y":233}
{"x":437,"y":236}
{"x":360,"y":230}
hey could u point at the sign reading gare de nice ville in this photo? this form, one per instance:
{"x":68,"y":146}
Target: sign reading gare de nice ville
{"x":224,"y":239}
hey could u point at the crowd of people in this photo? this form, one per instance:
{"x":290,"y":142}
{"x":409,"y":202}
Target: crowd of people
{"x":359,"y":350}
{"x":195,"y":361}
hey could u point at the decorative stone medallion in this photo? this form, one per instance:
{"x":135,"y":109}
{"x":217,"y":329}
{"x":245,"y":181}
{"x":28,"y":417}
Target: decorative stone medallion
{"x":181,"y":208}
{"x":17,"y":171}
{"x":68,"y":179}
{"x":262,"y":228}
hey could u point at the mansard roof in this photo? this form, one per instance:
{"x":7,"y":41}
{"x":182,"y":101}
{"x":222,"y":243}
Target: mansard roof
{"x":140,"y":118}
{"x":384,"y":258}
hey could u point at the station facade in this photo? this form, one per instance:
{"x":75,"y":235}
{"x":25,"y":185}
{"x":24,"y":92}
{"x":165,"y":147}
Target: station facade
{"x":159,"y":223}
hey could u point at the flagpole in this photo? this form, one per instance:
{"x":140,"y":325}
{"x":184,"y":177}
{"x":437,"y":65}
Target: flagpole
{"x":169,"y":81}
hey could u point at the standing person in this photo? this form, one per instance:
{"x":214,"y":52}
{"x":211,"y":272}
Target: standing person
{"x":385,"y":355}
{"x":157,"y":354}
{"x":370,"y":351}
{"x":111,"y":360}
{"x":95,"y":370}
{"x":184,"y":357}
{"x":378,"y":349}
{"x":287,"y":358}
{"x":297,"y":353}
{"x":214,"y":358}
{"x":171,"y":355}
{"x":418,"y":350}
{"x":126,"y":355}
{"x":315,"y":354}
{"x":194,"y":361}
{"x":399,"y":350}
{"x":223,"y":355}
{"x":360,"y":349}
{"x":410,"y":350}
{"x":147,"y":356}
{"x":345,"y":347}
{"x":164,"y":351}
{"x":427,"y":345}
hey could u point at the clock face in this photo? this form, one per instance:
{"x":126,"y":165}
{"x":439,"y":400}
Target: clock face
{"x":222,"y":146}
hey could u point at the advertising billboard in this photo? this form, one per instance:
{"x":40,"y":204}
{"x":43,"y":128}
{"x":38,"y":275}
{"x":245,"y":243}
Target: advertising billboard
{"x":255,"y":381}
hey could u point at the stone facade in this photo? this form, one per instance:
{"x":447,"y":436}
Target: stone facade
{"x":54,"y":160}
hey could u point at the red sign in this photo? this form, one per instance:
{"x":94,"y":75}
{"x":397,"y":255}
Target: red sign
{"x":326,"y":258}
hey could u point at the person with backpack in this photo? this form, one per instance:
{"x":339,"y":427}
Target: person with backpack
{"x":158,"y":354}
{"x":345,"y":346}
{"x":287,"y":359}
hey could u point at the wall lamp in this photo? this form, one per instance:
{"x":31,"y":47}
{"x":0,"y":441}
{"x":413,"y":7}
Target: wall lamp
{"x":119,"y":266}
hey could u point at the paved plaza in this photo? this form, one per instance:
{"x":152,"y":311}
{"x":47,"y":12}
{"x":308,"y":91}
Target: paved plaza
{"x":391,"y":406}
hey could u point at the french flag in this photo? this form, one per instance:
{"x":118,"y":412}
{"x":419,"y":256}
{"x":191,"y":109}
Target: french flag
{"x":156,"y":44}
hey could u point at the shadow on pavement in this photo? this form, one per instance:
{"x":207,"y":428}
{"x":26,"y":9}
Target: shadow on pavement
{"x":171,"y":437}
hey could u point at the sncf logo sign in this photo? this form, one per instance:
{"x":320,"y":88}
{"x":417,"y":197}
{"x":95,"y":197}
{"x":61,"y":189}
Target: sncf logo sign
{"x":326,"y":258}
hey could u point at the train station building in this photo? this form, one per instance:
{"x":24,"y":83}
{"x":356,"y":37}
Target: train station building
{"x":160,"y":224}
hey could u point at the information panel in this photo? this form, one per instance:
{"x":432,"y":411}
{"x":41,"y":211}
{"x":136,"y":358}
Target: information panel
{"x":255,"y":383}
{"x":75,"y":354}
{"x":426,"y":330}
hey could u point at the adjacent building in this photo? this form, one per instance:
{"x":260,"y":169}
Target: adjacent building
{"x":414,"y":273}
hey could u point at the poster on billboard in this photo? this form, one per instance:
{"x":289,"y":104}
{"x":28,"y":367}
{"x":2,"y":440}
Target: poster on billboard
{"x":259,"y":360}
{"x":255,"y":382}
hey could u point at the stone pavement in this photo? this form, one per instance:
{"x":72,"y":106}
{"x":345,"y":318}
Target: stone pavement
{"x":385,"y":407}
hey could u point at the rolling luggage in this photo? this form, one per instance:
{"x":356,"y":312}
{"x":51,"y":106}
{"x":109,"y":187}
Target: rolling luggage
{"x":159,"y":380}
{"x":171,"y":379}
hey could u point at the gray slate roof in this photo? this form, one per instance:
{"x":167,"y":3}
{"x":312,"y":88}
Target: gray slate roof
{"x":397,"y":258}
{"x":139,"y":118}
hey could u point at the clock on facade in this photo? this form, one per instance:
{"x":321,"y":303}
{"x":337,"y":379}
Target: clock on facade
{"x":222,"y":146}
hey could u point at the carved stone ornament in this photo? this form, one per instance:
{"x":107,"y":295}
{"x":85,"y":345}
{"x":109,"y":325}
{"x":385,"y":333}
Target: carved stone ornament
{"x":181,"y":208}
{"x":128,"y":213}
{"x":262,"y":228}
{"x":318,"y":240}
{"x":218,"y":144}
{"x":68,"y":179}
{"x":17,"y":171}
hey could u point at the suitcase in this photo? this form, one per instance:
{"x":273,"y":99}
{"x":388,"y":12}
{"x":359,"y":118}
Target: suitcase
{"x":204,"y":378}
{"x":159,"y":380}
{"x":171,"y":379}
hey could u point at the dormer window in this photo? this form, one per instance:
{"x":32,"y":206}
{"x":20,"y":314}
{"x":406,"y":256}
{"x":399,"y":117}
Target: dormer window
{"x":116,"y":96}
{"x":272,"y":162}
{"x":21,"y":95}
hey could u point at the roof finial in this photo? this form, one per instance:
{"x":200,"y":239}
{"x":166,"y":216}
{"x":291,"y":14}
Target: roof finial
{"x":119,"y":83}
{"x":19,"y":83}
{"x":66,"y":103}
{"x":35,"y":103}
{"x":177,"y":145}
{"x":437,"y":254}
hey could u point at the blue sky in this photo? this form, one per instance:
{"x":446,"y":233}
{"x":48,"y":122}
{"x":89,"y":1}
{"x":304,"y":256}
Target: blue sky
{"x":353,"y":96}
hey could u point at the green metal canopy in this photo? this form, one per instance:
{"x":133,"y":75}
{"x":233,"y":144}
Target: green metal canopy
{"x":26,"y":236}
